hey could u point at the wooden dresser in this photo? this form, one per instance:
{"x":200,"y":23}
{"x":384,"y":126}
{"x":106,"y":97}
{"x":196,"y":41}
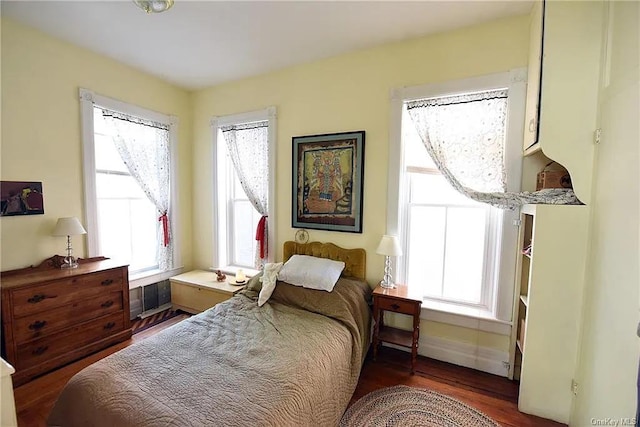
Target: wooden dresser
{"x":52,"y":316}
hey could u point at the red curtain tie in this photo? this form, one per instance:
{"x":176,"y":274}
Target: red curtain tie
{"x":260,"y":237}
{"x":165,"y":227}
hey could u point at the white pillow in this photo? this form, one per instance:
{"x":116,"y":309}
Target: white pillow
{"x":268,"y":280}
{"x":311,"y":272}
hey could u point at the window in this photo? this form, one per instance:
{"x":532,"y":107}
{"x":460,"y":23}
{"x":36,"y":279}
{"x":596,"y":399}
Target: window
{"x":445,"y":230}
{"x":236,"y":216}
{"x":127,"y":220}
{"x":458,"y":252}
{"x":129,"y":180}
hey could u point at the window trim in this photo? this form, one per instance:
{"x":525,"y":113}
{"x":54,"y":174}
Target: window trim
{"x":515,"y":81}
{"x":89,"y":99}
{"x":269,"y":114}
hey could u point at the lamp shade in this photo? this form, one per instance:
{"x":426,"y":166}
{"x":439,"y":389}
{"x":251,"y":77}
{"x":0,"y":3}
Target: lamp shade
{"x":389,"y":246}
{"x":68,"y":227}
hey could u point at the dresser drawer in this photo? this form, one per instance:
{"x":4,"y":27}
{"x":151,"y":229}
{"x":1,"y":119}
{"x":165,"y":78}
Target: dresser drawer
{"x":42,"y":324}
{"x":398,"y":306}
{"x":44,"y":297}
{"x":43,"y":349}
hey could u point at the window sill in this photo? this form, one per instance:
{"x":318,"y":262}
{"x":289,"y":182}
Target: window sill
{"x":232,"y":270}
{"x":152,"y":276}
{"x":467,"y":317}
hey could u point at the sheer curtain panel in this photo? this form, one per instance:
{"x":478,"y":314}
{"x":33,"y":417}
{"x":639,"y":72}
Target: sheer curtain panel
{"x":144,"y":148}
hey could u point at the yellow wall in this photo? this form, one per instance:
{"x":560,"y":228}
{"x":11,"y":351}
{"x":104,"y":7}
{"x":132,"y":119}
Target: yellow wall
{"x":345,"y":93}
{"x":608,"y":361}
{"x":41,"y":133}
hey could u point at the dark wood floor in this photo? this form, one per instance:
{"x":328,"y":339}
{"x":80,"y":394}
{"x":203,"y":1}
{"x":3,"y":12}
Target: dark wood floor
{"x":495,"y":396}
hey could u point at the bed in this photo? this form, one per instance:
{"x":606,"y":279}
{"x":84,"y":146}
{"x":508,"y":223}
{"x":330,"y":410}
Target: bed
{"x":294,"y":361}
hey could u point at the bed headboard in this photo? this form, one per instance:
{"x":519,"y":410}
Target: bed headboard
{"x":355,"y":260}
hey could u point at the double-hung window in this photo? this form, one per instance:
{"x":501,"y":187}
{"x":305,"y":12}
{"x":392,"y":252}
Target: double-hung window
{"x":458,"y":252}
{"x":451,"y":241}
{"x":129,"y":177}
{"x":244,"y":180}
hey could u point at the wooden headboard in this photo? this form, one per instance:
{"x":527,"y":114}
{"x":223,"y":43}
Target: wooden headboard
{"x":355,"y":260}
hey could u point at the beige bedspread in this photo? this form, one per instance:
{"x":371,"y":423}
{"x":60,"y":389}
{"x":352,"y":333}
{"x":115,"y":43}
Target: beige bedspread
{"x":294,"y":361}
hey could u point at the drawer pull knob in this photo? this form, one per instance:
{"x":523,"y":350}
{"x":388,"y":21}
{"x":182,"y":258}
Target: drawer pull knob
{"x":106,"y":304}
{"x":106,"y":282}
{"x":38,"y":351}
{"x":395,"y":306}
{"x":109,"y":325}
{"x":38,"y":324}
{"x":39,"y":297}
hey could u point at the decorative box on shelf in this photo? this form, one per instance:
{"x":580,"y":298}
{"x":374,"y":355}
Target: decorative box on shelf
{"x":553,"y":179}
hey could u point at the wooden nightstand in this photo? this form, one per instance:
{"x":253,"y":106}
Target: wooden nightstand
{"x":397,"y":300}
{"x":198,"y":290}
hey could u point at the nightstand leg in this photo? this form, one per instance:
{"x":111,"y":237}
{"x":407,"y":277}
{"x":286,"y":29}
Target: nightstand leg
{"x":414,"y":347}
{"x":376,"y":331}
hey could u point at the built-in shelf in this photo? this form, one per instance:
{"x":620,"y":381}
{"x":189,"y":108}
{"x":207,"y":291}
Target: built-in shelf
{"x":525,"y":300}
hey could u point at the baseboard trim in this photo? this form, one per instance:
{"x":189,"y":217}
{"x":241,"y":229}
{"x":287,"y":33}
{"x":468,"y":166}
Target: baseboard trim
{"x":483,"y":359}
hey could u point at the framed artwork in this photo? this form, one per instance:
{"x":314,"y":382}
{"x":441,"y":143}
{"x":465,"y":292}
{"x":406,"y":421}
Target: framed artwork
{"x":21,"y":198}
{"x":327,"y":182}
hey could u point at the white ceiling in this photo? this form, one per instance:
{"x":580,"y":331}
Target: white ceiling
{"x":201,"y":43}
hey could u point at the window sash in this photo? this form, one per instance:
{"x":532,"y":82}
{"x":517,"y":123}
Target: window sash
{"x":235,"y":196}
{"x":493,"y":219}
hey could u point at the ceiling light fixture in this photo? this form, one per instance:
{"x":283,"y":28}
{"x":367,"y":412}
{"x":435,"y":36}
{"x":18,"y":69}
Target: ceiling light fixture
{"x":154,"y":6}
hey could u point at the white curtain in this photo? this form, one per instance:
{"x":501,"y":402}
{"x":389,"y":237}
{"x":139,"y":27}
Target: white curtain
{"x":465,"y":137}
{"x":248,"y":147}
{"x":144,"y":148}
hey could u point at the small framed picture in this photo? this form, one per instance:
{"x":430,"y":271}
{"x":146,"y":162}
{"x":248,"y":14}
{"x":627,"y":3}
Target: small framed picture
{"x":21,"y":198}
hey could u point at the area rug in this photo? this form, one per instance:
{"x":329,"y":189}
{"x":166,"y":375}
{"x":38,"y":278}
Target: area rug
{"x":140,"y":325}
{"x":411,"y":407}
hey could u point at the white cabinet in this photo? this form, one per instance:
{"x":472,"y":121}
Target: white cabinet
{"x":533,"y":76}
{"x":570,"y":75}
{"x":8,"y":407}
{"x":551,"y":282}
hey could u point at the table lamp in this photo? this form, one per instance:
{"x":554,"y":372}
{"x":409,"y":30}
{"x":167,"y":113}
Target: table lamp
{"x":69,"y":226}
{"x":389,"y":246}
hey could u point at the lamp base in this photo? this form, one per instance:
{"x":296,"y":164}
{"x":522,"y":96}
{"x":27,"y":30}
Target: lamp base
{"x":387,"y":281}
{"x":387,"y":285}
{"x":69,"y":262}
